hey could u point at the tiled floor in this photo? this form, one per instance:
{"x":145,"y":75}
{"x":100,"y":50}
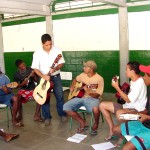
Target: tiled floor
{"x":35,"y":136}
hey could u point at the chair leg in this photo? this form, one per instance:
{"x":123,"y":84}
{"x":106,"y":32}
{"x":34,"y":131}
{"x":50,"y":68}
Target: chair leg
{"x":7,"y":115}
{"x":91,"y":122}
{"x":11,"y":111}
{"x":83,"y":113}
{"x":71,"y":123}
{"x":123,"y":142}
{"x":102,"y":116}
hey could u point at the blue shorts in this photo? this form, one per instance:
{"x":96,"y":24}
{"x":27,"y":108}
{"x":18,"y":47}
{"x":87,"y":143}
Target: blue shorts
{"x":75,"y":103}
{"x":139,"y":131}
{"x":6,"y":99}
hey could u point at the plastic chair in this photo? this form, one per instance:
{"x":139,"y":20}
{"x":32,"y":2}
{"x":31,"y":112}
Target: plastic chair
{"x":84,"y":112}
{"x":5,"y":107}
{"x":67,"y":76}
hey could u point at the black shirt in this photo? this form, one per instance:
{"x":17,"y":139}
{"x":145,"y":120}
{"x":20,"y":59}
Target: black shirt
{"x":20,"y":76}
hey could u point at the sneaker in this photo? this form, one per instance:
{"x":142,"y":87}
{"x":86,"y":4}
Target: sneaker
{"x":47,"y":122}
{"x":64,"y":119}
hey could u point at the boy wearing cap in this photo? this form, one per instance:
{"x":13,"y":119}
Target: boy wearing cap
{"x":93,"y":87}
{"x":139,"y":129}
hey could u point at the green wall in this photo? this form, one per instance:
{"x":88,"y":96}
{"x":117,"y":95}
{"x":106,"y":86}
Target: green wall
{"x":107,"y":61}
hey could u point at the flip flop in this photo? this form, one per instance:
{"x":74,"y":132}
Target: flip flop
{"x":11,"y":137}
{"x":94,"y":132}
{"x":80,"y":130}
{"x":113,"y":137}
{"x":18,"y":124}
{"x":38,"y":119}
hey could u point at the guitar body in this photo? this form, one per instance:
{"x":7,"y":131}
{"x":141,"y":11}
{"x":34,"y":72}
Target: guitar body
{"x":125,"y":88}
{"x":11,"y":85}
{"x":40,"y":92}
{"x":78,"y":91}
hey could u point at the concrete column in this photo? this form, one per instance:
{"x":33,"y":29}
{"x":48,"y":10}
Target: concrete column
{"x":1,"y":48}
{"x":123,"y":42}
{"x":49,"y":26}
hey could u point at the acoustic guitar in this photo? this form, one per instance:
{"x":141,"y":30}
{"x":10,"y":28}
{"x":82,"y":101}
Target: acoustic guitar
{"x":40,"y":92}
{"x":11,"y":85}
{"x":78,"y":90}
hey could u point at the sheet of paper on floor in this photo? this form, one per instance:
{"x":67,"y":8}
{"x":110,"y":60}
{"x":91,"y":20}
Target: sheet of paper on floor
{"x":103,"y":146}
{"x":77,"y":138}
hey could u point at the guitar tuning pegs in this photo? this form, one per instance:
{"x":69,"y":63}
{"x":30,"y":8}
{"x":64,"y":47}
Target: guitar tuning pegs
{"x":115,"y":78}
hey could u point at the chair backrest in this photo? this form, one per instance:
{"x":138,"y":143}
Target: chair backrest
{"x":66,"y":76}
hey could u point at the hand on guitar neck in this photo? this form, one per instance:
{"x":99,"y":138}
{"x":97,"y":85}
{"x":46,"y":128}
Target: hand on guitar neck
{"x":114,"y":82}
{"x":24,"y":83}
{"x":125,"y":87}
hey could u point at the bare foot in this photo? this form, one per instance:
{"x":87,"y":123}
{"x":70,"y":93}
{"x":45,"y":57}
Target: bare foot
{"x":95,"y":126}
{"x":19,"y":118}
{"x":38,"y":119}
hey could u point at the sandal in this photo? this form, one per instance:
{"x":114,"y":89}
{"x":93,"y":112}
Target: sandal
{"x":80,"y":130}
{"x":10,"y":137}
{"x":113,"y":137}
{"x":93,"y":132}
{"x":18,"y":124}
{"x":38,"y":119}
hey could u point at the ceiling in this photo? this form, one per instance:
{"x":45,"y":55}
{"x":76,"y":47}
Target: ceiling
{"x":44,"y":7}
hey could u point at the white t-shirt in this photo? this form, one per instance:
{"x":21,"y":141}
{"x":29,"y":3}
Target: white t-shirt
{"x":43,"y":61}
{"x":137,"y":95}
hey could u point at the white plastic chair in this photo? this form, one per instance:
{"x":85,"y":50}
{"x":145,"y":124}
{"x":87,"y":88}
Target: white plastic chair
{"x":66,"y":76}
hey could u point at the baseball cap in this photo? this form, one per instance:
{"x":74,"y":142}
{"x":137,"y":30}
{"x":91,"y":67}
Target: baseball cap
{"x":145,"y":69}
{"x":90,"y":64}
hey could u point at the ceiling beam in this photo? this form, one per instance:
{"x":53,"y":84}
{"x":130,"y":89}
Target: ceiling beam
{"x":115,"y":2}
{"x":119,"y":3}
{"x":23,"y":8}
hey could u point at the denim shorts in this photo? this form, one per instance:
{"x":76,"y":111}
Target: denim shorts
{"x":139,"y":131}
{"x":75,"y":103}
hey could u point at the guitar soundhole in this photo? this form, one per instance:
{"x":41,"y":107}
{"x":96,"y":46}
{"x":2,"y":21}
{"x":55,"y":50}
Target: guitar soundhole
{"x":39,"y":95}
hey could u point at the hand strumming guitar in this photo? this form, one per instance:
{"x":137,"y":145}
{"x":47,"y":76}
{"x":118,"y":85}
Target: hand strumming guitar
{"x":5,"y":89}
{"x":46,"y":77}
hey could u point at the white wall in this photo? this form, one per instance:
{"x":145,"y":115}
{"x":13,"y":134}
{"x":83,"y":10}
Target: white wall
{"x":139,"y":31}
{"x":81,"y":34}
{"x":88,"y":33}
{"x":24,"y":37}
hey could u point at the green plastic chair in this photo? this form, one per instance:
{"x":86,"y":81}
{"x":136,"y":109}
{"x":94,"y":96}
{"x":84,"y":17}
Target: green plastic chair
{"x":5,"y":107}
{"x":84,"y":112}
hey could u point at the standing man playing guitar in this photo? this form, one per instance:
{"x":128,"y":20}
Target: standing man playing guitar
{"x":93,"y":87}
{"x":26,"y":79}
{"x":11,"y":100}
{"x":42,"y":63}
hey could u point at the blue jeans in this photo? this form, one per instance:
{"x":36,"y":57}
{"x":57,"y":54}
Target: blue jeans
{"x":58,"y":92}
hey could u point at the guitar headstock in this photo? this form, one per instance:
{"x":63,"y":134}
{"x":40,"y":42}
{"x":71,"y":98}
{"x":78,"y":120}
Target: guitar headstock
{"x":12,"y":85}
{"x":115,"y":78}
